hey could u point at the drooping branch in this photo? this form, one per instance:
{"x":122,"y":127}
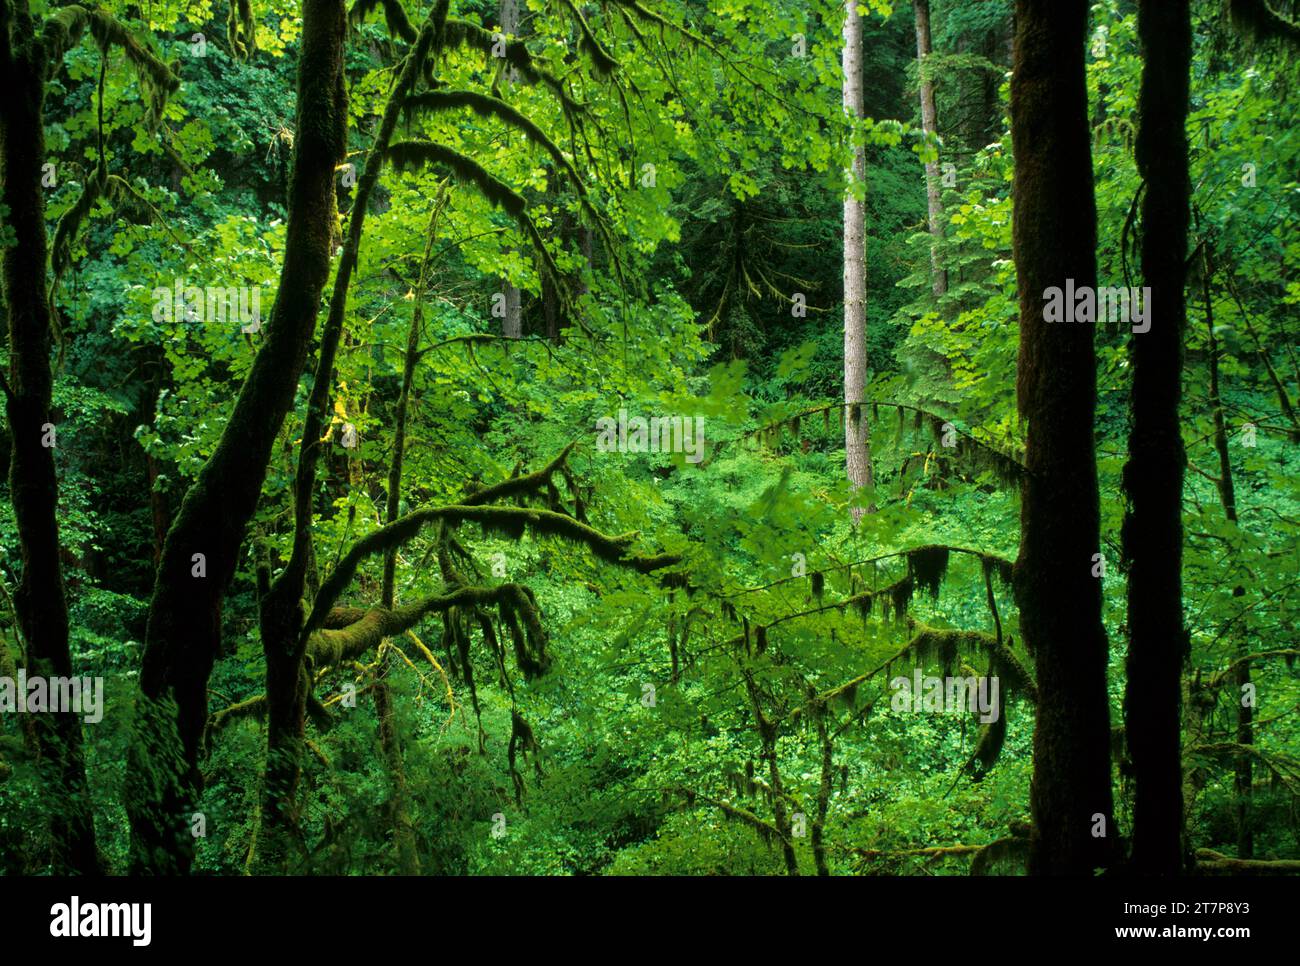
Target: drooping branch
{"x":766,"y":830}
{"x":64,"y":28}
{"x":523,"y":485}
{"x":1221,"y":676}
{"x":464,"y":33}
{"x":406,"y":155}
{"x":329,"y":648}
{"x":399,"y":24}
{"x":487,"y":106}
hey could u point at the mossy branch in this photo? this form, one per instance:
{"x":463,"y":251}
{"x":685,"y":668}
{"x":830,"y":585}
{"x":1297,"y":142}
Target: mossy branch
{"x":64,"y":28}
{"x":464,"y":33}
{"x":406,"y":155}
{"x":1224,"y":674}
{"x":330,"y":648}
{"x":1259,"y":20}
{"x":248,"y":708}
{"x":523,"y":485}
{"x":602,"y":61}
{"x":399,"y":24}
{"x":509,"y":520}
{"x":766,"y":830}
{"x":487,"y":106}
{"x":1209,"y":862}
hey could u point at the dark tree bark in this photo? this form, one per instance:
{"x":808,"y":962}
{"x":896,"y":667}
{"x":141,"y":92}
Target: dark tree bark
{"x":184,"y":625}
{"x":1153,"y":475}
{"x":1054,"y":239}
{"x":39,"y":600}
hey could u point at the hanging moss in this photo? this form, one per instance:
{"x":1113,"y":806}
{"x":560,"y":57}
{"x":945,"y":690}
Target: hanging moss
{"x":942,"y":647}
{"x":1262,"y":22}
{"x":900,"y":596}
{"x":999,"y":566}
{"x":602,"y":62}
{"x":241,"y":30}
{"x":818,"y":585}
{"x":460,"y":636}
{"x":511,"y":528}
{"x":927,"y":566}
{"x":1017,"y":680}
{"x":760,"y":640}
{"x":522,"y":743}
{"x":1008,"y":854}
{"x":862,"y":604}
{"x":486,"y":106}
{"x":988,"y":746}
{"x":847,"y":696}
{"x":399,"y":25}
{"x":64,"y":28}
{"x":520,"y":615}
{"x":408,"y":155}
{"x":461,"y":32}
{"x":403,"y":530}
{"x":70,"y":222}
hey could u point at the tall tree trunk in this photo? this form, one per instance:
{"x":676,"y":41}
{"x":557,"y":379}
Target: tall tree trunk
{"x":1243,"y":770}
{"x":930,"y":125}
{"x":1054,"y":240}
{"x":40,"y":605}
{"x":202,"y":547}
{"x":857,"y":447}
{"x":512,"y":324}
{"x":1153,"y":476}
{"x":408,"y":858}
{"x":282,"y":616}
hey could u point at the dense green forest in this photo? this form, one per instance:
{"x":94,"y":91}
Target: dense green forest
{"x":689,"y":437}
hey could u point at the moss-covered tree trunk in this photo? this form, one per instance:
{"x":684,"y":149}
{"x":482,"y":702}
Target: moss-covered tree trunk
{"x":39,"y":601}
{"x":282,"y":619}
{"x":1153,"y":476}
{"x":930,"y":125}
{"x":404,"y":840}
{"x":203,"y":545}
{"x":1054,"y":240}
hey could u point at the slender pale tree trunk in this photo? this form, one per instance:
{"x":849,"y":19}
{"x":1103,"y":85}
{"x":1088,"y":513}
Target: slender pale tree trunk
{"x":1153,"y":476}
{"x":930,"y":125}
{"x":1054,"y":232}
{"x":1243,"y":769}
{"x":857,"y":447}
